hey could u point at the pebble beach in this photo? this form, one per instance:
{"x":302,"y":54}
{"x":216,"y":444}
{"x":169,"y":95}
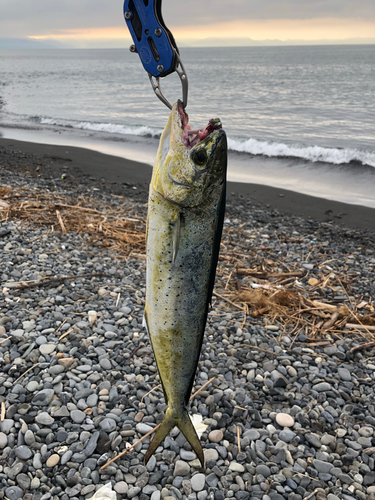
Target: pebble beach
{"x":281,"y":416}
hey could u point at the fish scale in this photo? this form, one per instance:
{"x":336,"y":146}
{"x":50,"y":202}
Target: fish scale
{"x":184,"y":226}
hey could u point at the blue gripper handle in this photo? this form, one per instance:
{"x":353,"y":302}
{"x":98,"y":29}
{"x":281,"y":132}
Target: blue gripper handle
{"x":152,"y":39}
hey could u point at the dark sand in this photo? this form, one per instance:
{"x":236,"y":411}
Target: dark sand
{"x":98,"y":169}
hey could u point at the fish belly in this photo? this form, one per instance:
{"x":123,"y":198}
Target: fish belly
{"x":177,"y":292}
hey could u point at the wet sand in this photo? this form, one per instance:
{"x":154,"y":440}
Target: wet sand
{"x":97,"y":169}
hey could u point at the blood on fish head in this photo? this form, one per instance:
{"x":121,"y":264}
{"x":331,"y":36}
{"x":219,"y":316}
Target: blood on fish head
{"x":189,"y":162}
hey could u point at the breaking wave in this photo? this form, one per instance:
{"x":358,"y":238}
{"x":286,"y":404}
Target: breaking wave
{"x":310,"y":153}
{"x":112,"y":128}
{"x":254,"y":147}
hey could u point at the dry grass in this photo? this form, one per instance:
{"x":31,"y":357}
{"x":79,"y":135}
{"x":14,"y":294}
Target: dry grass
{"x":259,"y":285}
{"x":118,"y":229}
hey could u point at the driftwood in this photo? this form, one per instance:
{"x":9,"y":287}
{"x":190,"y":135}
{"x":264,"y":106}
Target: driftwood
{"x":58,"y":279}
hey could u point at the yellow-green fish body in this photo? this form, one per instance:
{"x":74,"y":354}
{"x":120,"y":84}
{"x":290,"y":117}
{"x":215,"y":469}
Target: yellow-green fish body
{"x":185,"y":219}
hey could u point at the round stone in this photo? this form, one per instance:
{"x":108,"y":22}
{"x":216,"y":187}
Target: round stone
{"x":322,"y":387}
{"x":61,"y":435}
{"x":6,"y":425}
{"x":43,"y":398}
{"x":13,"y":493}
{"x":252,"y":434}
{"x":23,"y":452}
{"x":106,"y":364}
{"x":32,"y":386}
{"x":263,"y":470}
{"x":121,"y":487}
{"x":3,"y":440}
{"x":35,"y":483}
{"x":313,"y":440}
{"x":108,"y":425}
{"x":37,"y":461}
{"x":287,"y":436}
{"x":77,"y":416}
{"x":187,"y":455}
{"x":44,"y":419}
{"x":53,"y":460}
{"x":47,"y":348}
{"x":210,"y":454}
{"x":344,"y":374}
{"x":29,"y":437}
{"x":41,"y":340}
{"x":284,"y":420}
{"x":215,"y":437}
{"x":321,"y":466}
{"x":197,"y":482}
{"x":181,"y":468}
{"x":235,"y":467}
{"x":143,"y":428}
{"x":366,"y":431}
{"x":133,"y":491}
{"x":66,"y":362}
{"x":23,"y":481}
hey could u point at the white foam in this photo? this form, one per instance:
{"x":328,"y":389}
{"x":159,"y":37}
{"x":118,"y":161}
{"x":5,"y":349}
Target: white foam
{"x":251,"y":146}
{"x":311,"y":153}
{"x":112,"y":128}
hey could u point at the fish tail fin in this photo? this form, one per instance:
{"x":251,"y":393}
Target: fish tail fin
{"x":182,"y":420}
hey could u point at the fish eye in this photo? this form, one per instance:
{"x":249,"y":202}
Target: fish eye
{"x":200,"y":157}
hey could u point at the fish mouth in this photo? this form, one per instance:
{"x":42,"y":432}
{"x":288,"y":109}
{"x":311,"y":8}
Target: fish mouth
{"x":191,"y":138}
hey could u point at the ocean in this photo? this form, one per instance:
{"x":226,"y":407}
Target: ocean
{"x":297,"y":117}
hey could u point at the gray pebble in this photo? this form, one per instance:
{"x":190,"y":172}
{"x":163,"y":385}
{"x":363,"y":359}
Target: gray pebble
{"x":263,"y":470}
{"x":23,"y":452}
{"x":3,"y":440}
{"x":77,"y":416}
{"x":287,"y":435}
{"x":344,"y":374}
{"x":322,"y":387}
{"x":6,"y":425}
{"x":108,"y":425}
{"x":197,"y":482}
{"x":13,"y":493}
{"x":44,"y":419}
{"x":43,"y":398}
{"x":321,"y":466}
{"x":23,"y":481}
{"x":107,"y":365}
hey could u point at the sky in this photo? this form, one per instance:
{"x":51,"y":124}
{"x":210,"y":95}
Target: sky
{"x":99,"y":23}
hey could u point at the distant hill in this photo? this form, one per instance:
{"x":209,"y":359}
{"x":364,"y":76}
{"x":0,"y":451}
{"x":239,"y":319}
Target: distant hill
{"x":28,"y":43}
{"x":248,"y":42}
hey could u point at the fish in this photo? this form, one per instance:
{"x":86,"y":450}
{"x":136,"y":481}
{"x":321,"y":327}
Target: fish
{"x":184,"y":227}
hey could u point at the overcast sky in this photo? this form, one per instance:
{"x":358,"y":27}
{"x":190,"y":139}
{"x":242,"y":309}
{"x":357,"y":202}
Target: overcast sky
{"x":93,"y":21}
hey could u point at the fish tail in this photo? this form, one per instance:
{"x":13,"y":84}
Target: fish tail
{"x":182,"y":420}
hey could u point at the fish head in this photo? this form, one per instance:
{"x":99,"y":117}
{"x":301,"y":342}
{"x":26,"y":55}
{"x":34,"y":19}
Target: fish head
{"x":190,"y":164}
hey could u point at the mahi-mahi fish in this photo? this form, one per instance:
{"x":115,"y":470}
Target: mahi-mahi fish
{"x":184,"y":226}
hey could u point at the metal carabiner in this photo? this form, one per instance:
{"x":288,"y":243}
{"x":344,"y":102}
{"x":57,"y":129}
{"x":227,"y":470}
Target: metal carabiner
{"x":154,"y":44}
{"x":180,"y":70}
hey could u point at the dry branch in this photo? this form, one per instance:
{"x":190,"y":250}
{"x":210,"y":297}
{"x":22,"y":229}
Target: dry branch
{"x":56,"y":280}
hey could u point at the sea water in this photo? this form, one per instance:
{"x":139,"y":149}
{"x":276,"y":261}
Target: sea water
{"x":298,"y":117}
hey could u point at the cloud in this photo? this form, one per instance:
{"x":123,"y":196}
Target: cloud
{"x":27,"y":17}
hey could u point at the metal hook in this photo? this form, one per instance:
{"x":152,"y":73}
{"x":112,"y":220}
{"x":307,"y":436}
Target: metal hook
{"x":180,"y":70}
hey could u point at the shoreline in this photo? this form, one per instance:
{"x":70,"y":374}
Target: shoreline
{"x":80,"y":164}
